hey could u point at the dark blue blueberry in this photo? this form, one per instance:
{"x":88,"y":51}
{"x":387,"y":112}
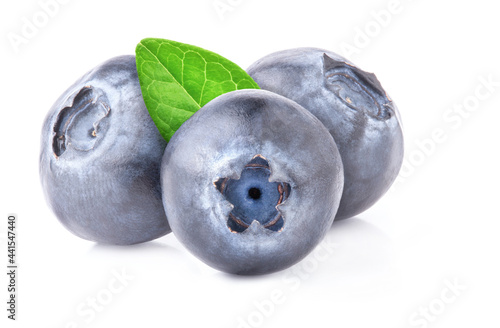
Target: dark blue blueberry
{"x":251,"y":182}
{"x":100,"y":158}
{"x":353,"y":106}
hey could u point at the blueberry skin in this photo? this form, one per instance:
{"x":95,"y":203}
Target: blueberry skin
{"x":351,"y":103}
{"x":219,"y":141}
{"x":100,"y":158}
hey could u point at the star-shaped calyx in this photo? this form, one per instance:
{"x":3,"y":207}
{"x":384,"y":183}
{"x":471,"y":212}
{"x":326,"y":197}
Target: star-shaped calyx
{"x":254,"y":197}
{"x":358,"y":89}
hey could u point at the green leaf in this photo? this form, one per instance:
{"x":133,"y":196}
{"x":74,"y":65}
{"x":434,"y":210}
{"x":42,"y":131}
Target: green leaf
{"x":177,"y":79}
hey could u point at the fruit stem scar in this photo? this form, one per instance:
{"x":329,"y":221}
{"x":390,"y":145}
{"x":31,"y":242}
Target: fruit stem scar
{"x":254,"y":193}
{"x":344,"y":76}
{"x":364,"y":90}
{"x":77,"y":124}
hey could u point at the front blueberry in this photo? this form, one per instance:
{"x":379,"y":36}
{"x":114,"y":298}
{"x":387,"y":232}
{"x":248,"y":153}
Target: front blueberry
{"x":251,"y":182}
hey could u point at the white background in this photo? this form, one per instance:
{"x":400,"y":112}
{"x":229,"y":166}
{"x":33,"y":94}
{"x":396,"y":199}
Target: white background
{"x":438,"y":227}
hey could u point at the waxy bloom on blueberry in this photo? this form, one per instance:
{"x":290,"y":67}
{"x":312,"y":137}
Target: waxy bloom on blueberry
{"x":100,"y":158}
{"x":352,"y":104}
{"x":251,"y":182}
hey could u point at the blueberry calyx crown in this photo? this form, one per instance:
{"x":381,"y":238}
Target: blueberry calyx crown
{"x":254,"y":197}
{"x":79,"y":125}
{"x":358,"y":89}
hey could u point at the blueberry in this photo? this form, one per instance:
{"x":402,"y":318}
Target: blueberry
{"x":100,"y":158}
{"x":251,"y":182}
{"x":353,"y":106}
